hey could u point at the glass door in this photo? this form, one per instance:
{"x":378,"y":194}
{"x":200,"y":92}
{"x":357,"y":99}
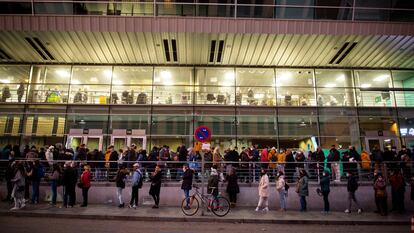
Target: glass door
{"x":94,"y":143}
{"x":119,"y":142}
{"x":74,"y":142}
{"x":381,"y":142}
{"x":139,"y":141}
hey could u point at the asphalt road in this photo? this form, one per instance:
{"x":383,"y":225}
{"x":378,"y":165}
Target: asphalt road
{"x":59,"y":225}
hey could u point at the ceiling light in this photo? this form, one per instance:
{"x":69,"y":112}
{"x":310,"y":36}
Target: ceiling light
{"x":75,"y":82}
{"x":330,"y":85}
{"x":381,"y":78}
{"x":285,"y":75}
{"x":4,"y":81}
{"x":366,"y":85}
{"x":165,"y":74}
{"x":63,"y":73}
{"x":108,"y":73}
{"x":340,"y":78}
{"x":230,"y":76}
{"x":213,"y":79}
{"x":94,"y":79}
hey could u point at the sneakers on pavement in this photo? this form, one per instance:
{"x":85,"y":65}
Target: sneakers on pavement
{"x":347,"y":211}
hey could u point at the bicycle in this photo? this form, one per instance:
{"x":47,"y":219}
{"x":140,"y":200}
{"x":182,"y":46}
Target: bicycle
{"x":220,"y":206}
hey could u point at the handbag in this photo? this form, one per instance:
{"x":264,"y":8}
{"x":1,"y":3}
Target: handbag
{"x":80,"y":185}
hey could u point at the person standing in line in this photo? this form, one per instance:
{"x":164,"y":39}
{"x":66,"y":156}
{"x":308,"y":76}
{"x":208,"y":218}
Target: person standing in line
{"x":333,"y":163}
{"x":281,"y":189}
{"x":212,"y":186}
{"x":54,"y":182}
{"x":120,"y":184}
{"x":324,"y":183}
{"x":155,"y":188}
{"x":136,"y":183}
{"x":302,"y":189}
{"x":380,"y":188}
{"x":86,"y":184}
{"x":18,"y":186}
{"x":352,"y":186}
{"x":69,"y":180}
{"x":187,"y":183}
{"x":232,"y":187}
{"x":397,"y":191}
{"x":263,"y":191}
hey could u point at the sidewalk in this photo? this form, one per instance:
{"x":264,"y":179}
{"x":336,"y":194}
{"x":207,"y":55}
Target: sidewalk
{"x":174,"y":214}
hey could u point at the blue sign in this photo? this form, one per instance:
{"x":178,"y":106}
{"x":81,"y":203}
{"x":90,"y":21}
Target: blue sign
{"x":202,"y":133}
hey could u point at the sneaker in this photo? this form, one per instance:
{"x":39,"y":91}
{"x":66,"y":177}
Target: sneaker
{"x":359,"y":211}
{"x":14,"y":208}
{"x":22,"y":205}
{"x":347,"y":211}
{"x":257,"y":209}
{"x":134,"y":206}
{"x":265,"y":209}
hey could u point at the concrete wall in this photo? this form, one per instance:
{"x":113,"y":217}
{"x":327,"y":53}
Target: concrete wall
{"x":172,"y":195}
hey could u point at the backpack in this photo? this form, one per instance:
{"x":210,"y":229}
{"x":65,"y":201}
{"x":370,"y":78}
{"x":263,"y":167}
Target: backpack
{"x":40,"y":171}
{"x":141,"y":179}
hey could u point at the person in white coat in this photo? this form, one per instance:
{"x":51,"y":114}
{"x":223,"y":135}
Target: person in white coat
{"x":281,"y":189}
{"x":49,"y":155}
{"x":263,"y":192}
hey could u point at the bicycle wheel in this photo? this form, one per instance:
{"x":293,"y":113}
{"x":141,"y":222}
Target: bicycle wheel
{"x":192,"y":209}
{"x":221,"y":206}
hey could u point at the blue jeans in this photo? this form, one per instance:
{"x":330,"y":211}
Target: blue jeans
{"x":187,"y":196}
{"x":303,"y":203}
{"x":35,"y":191}
{"x":282,"y":199}
{"x":54,"y":192}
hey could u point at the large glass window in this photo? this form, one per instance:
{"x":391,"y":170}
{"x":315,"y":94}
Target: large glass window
{"x":404,"y":80}
{"x":366,"y":79}
{"x":132,"y":85}
{"x":373,"y":88}
{"x":295,"y":87}
{"x":11,"y":124}
{"x":334,"y":88}
{"x":173,"y":85}
{"x":373,"y":120}
{"x":13,"y":83}
{"x":91,"y":85}
{"x":215,"y":86}
{"x":255,"y":87}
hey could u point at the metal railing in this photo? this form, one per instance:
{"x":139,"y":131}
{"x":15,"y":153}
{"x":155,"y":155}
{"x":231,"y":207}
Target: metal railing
{"x":247,"y":172}
{"x":228,"y":10}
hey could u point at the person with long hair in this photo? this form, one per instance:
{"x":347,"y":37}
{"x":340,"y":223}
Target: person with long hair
{"x":18,"y":186}
{"x":56,"y":173}
{"x":302,"y":189}
{"x":263,"y":191}
{"x":155,"y":188}
{"x":120,"y":183}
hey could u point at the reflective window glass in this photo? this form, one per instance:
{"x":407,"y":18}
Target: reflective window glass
{"x":92,"y":94}
{"x":215,"y":95}
{"x":253,"y":77}
{"x":335,"y":97}
{"x":91,"y":75}
{"x":126,"y":75}
{"x":373,"y":79}
{"x":372,"y":120}
{"x":297,"y":78}
{"x":223,"y":77}
{"x":368,"y":98}
{"x":293,"y":96}
{"x":333,"y":78}
{"x":169,"y":76}
{"x":297,"y":122}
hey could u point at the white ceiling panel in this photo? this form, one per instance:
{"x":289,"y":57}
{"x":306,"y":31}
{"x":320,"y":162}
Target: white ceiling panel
{"x":380,"y":51}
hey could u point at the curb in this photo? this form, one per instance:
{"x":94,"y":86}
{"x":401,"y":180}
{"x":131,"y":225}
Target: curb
{"x":202,"y":219}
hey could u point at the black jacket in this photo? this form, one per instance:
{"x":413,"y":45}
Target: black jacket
{"x":352,"y":184}
{"x":187,"y":180}
{"x":70,"y":177}
{"x":232,"y":185}
{"x":156,"y":184}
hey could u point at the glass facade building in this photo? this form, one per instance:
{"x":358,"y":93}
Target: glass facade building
{"x":154,"y":105}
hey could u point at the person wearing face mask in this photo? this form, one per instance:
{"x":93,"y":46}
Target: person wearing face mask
{"x":324,"y":183}
{"x":380,"y":188}
{"x":263,"y":192}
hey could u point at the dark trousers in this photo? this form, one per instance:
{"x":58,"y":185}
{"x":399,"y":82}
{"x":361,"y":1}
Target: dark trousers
{"x":9,"y":189}
{"x":156,"y":198}
{"x":85,"y":196}
{"x":69,"y":196}
{"x":134,"y":196}
{"x":233,"y":197}
{"x":35,"y":191}
{"x":398,"y":200}
{"x":325,"y":201}
{"x":27,"y":190}
{"x":303,"y":204}
{"x":382,"y":204}
{"x":54,"y":192}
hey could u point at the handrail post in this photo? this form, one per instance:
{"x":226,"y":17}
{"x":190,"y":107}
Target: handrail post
{"x":202,"y":181}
